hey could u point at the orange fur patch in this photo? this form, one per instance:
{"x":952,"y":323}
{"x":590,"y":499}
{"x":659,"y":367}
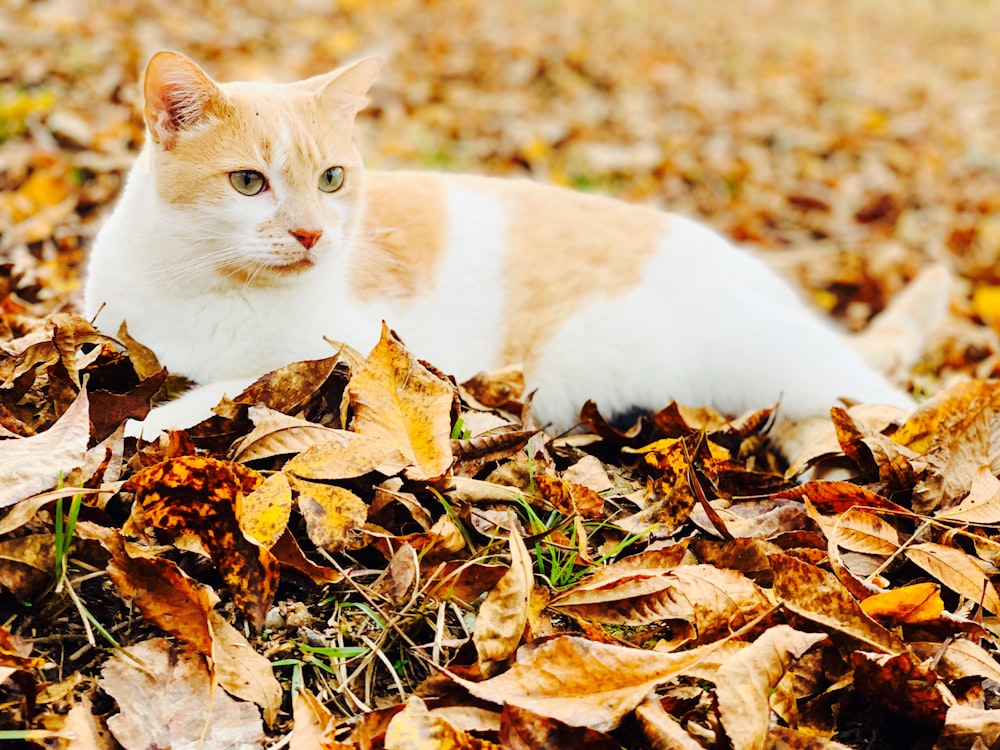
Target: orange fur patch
{"x":403,"y":234}
{"x":575,"y":247}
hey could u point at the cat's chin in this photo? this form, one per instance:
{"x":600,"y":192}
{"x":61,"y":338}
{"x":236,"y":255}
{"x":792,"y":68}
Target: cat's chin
{"x":266,"y":274}
{"x":290,"y":269}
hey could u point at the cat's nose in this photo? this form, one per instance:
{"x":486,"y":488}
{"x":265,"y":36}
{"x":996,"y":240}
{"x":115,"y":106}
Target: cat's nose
{"x":306,"y":237}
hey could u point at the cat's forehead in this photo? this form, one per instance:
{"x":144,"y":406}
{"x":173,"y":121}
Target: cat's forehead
{"x":286,"y":123}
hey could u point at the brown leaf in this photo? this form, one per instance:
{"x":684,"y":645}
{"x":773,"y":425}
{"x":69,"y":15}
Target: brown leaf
{"x":860,"y":531}
{"x":288,"y":388}
{"x":311,"y":723}
{"x":746,"y":680}
{"x":661,"y":729}
{"x":109,"y":410}
{"x":969,"y":727}
{"x":170,"y":701}
{"x":707,"y":599}
{"x":982,"y":505}
{"x":277,"y":434}
{"x":570,"y":499}
{"x":26,"y":563}
{"x":401,"y":577}
{"x":201,"y":496}
{"x":838,"y":497}
{"x":523,"y":730}
{"x":956,"y":432}
{"x":166,"y":596}
{"x":502,"y":389}
{"x":819,"y":597}
{"x":957,"y":571}
{"x":346,"y":455}
{"x":959,"y":658}
{"x":241,"y":671}
{"x":901,"y":685}
{"x":504,"y":613}
{"x":287,"y":552}
{"x":399,"y":401}
{"x":582,"y":682}
{"x":416,"y":728}
{"x":31,"y":465}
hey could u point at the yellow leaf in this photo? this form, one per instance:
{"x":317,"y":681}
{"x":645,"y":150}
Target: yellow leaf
{"x":345,"y":455}
{"x":986,"y":303}
{"x":920,"y":602}
{"x":398,"y":400}
{"x":333,"y":514}
{"x":263,"y":513}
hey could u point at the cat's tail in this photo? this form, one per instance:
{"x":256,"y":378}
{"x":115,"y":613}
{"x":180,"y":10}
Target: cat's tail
{"x":897,"y":338}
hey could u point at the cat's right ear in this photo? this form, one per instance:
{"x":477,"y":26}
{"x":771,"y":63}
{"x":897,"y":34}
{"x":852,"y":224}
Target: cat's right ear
{"x":179,"y":96}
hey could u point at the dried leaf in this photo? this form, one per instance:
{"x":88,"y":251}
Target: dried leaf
{"x":901,"y":685}
{"x":957,"y":571}
{"x":860,"y":531}
{"x":346,"y":455}
{"x":169,"y":701}
{"x":982,"y":506}
{"x":708,"y":599}
{"x":165,"y":595}
{"x":746,"y":680}
{"x":399,"y":401}
{"x":819,"y":597}
{"x":581,"y":682}
{"x":920,"y":602}
{"x":277,"y":434}
{"x":524,"y":730}
{"x":504,"y":613}
{"x":201,"y":496}
{"x":241,"y":671}
{"x":311,"y":728}
{"x":31,"y":465}
{"x":264,"y":512}
{"x":416,"y":728}
{"x":333,"y":515}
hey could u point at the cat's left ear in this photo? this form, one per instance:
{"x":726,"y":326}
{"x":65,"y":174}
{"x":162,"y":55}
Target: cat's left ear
{"x":347,"y":86}
{"x":179,"y":96}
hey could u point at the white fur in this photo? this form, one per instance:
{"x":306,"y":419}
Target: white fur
{"x":454,"y":322}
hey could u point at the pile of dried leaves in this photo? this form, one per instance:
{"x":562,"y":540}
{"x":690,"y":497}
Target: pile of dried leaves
{"x":358,"y":552}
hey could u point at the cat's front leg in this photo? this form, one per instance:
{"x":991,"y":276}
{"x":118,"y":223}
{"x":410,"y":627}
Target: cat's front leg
{"x":189,"y":409}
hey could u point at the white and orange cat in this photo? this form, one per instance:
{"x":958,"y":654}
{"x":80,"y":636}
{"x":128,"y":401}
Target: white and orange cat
{"x":249,"y":234}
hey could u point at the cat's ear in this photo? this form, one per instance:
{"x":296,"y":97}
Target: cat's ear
{"x":345,"y":88}
{"x":179,"y":95}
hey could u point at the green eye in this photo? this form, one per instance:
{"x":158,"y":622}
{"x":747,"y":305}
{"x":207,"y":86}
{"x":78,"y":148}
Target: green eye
{"x":248,"y":182}
{"x":332,"y":180}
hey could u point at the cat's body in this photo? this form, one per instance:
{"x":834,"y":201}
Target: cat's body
{"x":595,"y":298}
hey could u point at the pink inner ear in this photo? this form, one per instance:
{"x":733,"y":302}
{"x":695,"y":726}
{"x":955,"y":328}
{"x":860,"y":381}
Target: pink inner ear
{"x":179,"y":95}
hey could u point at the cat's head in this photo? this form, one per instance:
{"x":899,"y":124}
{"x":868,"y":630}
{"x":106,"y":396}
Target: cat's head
{"x":265,"y":178}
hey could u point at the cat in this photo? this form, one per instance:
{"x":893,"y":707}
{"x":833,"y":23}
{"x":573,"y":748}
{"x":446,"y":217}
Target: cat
{"x":249,"y":234}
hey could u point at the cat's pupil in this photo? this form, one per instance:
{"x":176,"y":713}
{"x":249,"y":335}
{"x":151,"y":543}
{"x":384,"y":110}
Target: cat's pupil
{"x":248,"y":181}
{"x":331,"y":180}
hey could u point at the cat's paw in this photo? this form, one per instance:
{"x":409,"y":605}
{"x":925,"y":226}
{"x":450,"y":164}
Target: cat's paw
{"x":189,"y":409}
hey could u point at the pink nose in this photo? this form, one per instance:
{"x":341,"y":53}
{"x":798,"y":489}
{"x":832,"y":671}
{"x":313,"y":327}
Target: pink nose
{"x":306,"y":237}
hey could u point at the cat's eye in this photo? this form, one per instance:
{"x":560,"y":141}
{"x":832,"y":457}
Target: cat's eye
{"x":331,"y":180}
{"x":248,"y":181}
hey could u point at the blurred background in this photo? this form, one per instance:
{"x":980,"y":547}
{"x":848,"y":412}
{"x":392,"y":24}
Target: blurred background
{"x":858,"y":140}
